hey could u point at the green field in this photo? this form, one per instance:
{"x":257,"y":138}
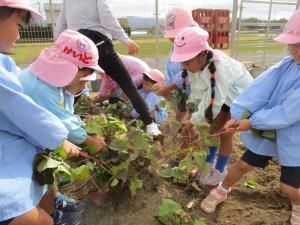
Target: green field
{"x":25,"y":53}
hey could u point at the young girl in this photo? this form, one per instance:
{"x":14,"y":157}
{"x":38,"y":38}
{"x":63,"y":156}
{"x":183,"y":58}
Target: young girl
{"x":95,"y":19}
{"x":151,"y":78}
{"x":59,"y":73}
{"x":26,"y":129}
{"x":135,"y":67}
{"x":176,"y":78}
{"x":273,"y":101}
{"x":216,"y":80}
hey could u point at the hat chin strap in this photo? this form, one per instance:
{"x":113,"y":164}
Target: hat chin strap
{"x":78,"y":94}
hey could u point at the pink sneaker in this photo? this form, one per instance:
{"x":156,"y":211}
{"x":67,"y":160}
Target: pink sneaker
{"x":215,"y":197}
{"x":213,"y":178}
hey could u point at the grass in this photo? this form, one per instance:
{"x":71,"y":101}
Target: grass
{"x":25,"y":53}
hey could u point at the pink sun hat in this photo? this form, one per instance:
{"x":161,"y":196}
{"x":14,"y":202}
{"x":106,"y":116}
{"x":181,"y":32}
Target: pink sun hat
{"x":58,"y":65}
{"x":156,"y":75}
{"x":291,"y":33}
{"x":189,"y":43}
{"x":177,"y":19}
{"x":25,"y":5}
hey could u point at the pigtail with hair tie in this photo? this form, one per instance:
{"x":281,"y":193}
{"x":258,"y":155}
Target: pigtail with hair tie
{"x":182,"y":103}
{"x":212,"y":69}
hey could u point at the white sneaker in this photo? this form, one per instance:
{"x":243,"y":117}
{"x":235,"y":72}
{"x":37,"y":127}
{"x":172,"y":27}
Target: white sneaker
{"x":152,"y":129}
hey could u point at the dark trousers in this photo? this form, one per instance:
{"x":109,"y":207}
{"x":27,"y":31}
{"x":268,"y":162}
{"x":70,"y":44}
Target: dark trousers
{"x":111,"y":63}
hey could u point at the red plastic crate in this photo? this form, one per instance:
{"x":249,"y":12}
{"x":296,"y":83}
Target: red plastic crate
{"x":204,"y":17}
{"x":211,"y":36}
{"x":221,"y":38}
{"x":222,"y":18}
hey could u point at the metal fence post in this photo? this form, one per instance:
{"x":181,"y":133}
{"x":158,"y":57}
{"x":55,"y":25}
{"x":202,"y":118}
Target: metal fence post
{"x":52,"y":17}
{"x":233,"y":27}
{"x":156,"y":34}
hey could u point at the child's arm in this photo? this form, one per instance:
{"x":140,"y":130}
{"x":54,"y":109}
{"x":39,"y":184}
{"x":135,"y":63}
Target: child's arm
{"x":40,"y":127}
{"x":52,"y":100}
{"x":280,"y":116}
{"x":257,"y":95}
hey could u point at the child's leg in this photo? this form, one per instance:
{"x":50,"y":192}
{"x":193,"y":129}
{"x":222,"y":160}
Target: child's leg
{"x":289,"y":186}
{"x":36,"y":216}
{"x":216,"y":175}
{"x":236,"y":172}
{"x":47,"y":203}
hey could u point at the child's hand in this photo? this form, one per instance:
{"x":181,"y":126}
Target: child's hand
{"x":243,"y":125}
{"x":230,"y":126}
{"x":97,"y":142}
{"x":71,"y":149}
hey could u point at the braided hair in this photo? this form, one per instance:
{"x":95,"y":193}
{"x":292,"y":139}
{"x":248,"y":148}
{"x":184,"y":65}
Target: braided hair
{"x":182,"y":103}
{"x":212,"y":69}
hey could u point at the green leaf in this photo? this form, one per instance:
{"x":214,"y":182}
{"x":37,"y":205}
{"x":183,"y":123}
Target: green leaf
{"x":153,"y":154}
{"x":91,"y":165}
{"x":91,"y":149}
{"x":163,"y":104}
{"x":246,"y":114}
{"x":166,"y":172}
{"x":81,"y":173}
{"x":119,"y":145}
{"x":47,"y":163}
{"x":251,"y":184}
{"x":134,"y":184}
{"x":180,"y":175}
{"x":186,"y":164}
{"x":270,"y":134}
{"x":60,"y":150}
{"x":168,"y":207}
{"x":114,"y":182}
{"x":120,"y":171}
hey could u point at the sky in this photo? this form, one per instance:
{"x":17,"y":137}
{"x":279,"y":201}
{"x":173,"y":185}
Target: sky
{"x":146,"y":8}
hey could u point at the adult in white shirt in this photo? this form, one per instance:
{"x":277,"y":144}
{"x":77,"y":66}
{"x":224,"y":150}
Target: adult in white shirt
{"x":95,"y":19}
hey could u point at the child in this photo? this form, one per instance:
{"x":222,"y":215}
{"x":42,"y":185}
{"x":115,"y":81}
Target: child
{"x":94,"y":19}
{"x":52,"y":81}
{"x":175,"y":20}
{"x":26,"y":129}
{"x":135,"y":67}
{"x":151,"y":78}
{"x":273,"y":101}
{"x":59,"y":73}
{"x":216,"y":80}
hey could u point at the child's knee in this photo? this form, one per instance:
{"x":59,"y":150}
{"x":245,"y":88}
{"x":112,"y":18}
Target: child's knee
{"x":289,"y":191}
{"x":36,"y":216}
{"x":243,"y":166}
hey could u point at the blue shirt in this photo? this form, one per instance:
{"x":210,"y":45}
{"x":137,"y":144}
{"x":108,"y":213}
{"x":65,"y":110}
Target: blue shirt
{"x":26,"y":129}
{"x":56,"y":101}
{"x":273,"y":99}
{"x":152,"y":100}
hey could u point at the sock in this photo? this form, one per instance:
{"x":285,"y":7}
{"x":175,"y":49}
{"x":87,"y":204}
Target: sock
{"x":221,"y":163}
{"x":212,"y":152}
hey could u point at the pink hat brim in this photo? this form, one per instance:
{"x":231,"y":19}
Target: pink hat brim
{"x":91,"y":77}
{"x":288,"y":38}
{"x":36,"y":16}
{"x":53,"y":70}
